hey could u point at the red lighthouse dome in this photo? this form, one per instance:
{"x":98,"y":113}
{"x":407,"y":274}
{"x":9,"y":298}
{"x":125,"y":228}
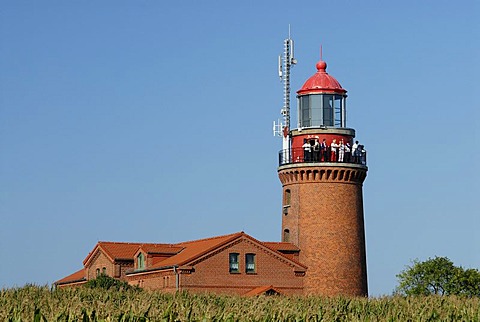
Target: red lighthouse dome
{"x":321,"y":82}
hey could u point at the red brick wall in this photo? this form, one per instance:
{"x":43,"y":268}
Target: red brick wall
{"x":212,"y":274}
{"x":100,"y":260}
{"x":159,"y":280}
{"x":326,"y":214}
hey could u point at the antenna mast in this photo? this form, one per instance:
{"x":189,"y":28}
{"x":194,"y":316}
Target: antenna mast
{"x":283,"y":128}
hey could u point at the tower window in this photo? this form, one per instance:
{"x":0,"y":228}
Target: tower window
{"x":287,"y":197}
{"x":250,"y":263}
{"x":140,"y":261}
{"x":286,"y":235}
{"x":233,"y":262}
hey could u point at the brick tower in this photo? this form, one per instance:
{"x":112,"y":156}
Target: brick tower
{"x":322,"y":170}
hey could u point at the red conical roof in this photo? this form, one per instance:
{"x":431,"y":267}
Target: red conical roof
{"x":321,"y":82}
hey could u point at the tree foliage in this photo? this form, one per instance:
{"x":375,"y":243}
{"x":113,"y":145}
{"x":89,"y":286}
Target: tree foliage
{"x":438,"y":276}
{"x":106,"y":282}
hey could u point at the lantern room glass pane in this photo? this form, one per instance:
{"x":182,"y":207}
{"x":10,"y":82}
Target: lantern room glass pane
{"x":304,"y":111}
{"x":328,"y":110}
{"x":338,"y":110}
{"x":316,"y":107}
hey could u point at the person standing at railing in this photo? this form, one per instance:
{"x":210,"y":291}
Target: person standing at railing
{"x":307,"y":151}
{"x":348,"y":154}
{"x":355,"y":152}
{"x":341,"y":151}
{"x":333,"y":151}
{"x":324,"y":150}
{"x":363,"y":154}
{"x":316,"y":151}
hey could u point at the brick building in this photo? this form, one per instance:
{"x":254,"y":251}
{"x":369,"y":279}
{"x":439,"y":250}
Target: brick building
{"x":230,"y":264}
{"x":322,"y":251}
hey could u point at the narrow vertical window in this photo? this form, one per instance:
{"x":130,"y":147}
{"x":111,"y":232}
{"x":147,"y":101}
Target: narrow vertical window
{"x":104,"y":271}
{"x":286,"y":235}
{"x":233,"y":262}
{"x":250,"y":263}
{"x":287,"y":197}
{"x":140,"y":261}
{"x":97,"y":271}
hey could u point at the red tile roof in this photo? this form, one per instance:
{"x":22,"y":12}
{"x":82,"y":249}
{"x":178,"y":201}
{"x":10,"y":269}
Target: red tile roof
{"x":282,"y":246}
{"x":160,"y":248}
{"x":114,"y":250}
{"x":120,"y":250}
{"x":126,"y":251}
{"x":78,"y":276}
{"x":196,"y":248}
{"x":262,"y":290}
{"x":181,"y":253}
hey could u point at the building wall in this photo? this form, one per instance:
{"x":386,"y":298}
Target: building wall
{"x":157,"y":280}
{"x":212,"y":274}
{"x":327,"y":204}
{"x":121,"y":268}
{"x":99,"y":261}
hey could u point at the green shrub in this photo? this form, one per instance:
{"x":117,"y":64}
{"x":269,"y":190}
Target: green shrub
{"x":106,"y":282}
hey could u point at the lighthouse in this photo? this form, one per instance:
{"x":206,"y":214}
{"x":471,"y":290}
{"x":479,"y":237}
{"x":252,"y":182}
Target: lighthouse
{"x":322,"y":168}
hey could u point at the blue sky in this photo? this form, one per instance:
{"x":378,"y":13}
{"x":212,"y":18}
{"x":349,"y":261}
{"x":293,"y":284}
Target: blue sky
{"x":151,"y":121}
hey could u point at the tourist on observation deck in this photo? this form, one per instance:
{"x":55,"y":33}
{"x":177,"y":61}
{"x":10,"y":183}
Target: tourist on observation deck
{"x":333,"y":151}
{"x":341,"y":151}
{"x":355,"y":153}
{"x":316,"y":151}
{"x":348,"y":152}
{"x":307,"y":151}
{"x":324,"y":150}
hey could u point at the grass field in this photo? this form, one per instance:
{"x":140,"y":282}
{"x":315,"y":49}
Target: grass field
{"x":40,"y":303}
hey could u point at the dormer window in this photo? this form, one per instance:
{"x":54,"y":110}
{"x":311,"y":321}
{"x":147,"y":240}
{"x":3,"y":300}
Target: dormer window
{"x":141,"y":261}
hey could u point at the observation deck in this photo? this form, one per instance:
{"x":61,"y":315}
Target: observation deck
{"x":298,"y":156}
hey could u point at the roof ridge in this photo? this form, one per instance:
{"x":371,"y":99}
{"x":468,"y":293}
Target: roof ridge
{"x":159,"y":244}
{"x":211,"y":238}
{"x":133,"y":243}
{"x":122,"y":243}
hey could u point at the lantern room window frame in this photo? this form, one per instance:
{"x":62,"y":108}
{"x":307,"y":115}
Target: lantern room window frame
{"x":321,"y":110}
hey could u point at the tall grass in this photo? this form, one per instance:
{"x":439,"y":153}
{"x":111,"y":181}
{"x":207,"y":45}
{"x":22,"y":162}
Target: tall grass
{"x":36,"y":303}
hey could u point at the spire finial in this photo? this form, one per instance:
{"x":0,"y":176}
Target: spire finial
{"x":321,"y":65}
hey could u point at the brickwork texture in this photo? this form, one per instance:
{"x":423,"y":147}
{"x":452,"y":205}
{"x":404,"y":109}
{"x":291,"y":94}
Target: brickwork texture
{"x":325,"y":220}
